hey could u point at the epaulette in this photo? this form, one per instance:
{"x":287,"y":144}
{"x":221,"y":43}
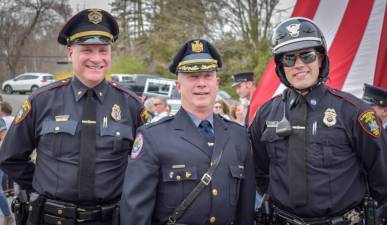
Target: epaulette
{"x":126,"y":91}
{"x":343,"y":95}
{"x":162,"y":120}
{"x":51,"y":86}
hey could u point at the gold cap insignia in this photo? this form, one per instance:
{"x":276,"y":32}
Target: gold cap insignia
{"x":329,"y":117}
{"x":94,"y":16}
{"x":197,"y":46}
{"x":116,"y":112}
{"x":294,"y":30}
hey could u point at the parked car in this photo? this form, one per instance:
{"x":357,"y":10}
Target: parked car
{"x":133,"y":82}
{"x":27,"y":82}
{"x":161,"y":87}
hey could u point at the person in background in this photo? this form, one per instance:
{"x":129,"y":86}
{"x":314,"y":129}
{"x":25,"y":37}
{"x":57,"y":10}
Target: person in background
{"x":222,"y":109}
{"x":7,"y":183}
{"x":8,"y":217}
{"x":377,"y":98}
{"x":160,"y":108}
{"x":245,"y":88}
{"x":238,"y":113}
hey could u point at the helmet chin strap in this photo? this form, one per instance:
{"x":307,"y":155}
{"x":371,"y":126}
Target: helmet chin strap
{"x":305,"y":91}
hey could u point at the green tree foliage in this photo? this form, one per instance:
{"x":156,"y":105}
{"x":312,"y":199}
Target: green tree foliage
{"x":127,"y":64}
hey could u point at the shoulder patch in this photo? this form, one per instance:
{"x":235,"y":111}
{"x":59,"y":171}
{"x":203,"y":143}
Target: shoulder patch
{"x":119,"y":87}
{"x":51,"y":86}
{"x":137,"y":146}
{"x":369,"y":123}
{"x":23,"y":111}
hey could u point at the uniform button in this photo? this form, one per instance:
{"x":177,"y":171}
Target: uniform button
{"x":212,"y":219}
{"x":178,"y":177}
{"x":79,"y":92}
{"x":60,"y":212}
{"x":57,"y":128}
{"x":118,"y":133}
{"x":101,"y":94}
{"x":59,"y":222}
{"x":215,"y":192}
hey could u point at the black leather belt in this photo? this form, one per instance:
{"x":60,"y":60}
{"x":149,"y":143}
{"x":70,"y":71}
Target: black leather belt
{"x":58,"y":212}
{"x":353,"y":216}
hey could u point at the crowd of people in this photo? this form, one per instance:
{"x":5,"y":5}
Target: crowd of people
{"x":315,"y":154}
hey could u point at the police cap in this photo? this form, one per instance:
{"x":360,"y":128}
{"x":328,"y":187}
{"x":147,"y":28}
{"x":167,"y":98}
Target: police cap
{"x":90,"y":26}
{"x":242,"y":77}
{"x":375,"y":95}
{"x":196,"y":55}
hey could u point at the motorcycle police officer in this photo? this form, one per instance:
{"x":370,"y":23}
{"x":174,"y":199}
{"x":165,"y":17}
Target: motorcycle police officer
{"x":318,"y":151}
{"x":194,"y":167}
{"x":82,"y":129}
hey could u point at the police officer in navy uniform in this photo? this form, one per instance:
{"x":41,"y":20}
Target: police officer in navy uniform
{"x":82,"y":129}
{"x":377,"y":98}
{"x":195,"y":147}
{"x":319,"y":151}
{"x":245,"y":88}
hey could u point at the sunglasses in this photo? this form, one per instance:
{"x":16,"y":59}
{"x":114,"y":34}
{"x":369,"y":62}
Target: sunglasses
{"x":306,"y":57}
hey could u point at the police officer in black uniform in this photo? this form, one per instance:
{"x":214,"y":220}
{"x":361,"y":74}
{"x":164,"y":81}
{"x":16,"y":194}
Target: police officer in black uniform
{"x":82,"y":129}
{"x":245,"y":88}
{"x":195,"y":156}
{"x":318,"y":151}
{"x":377,"y":98}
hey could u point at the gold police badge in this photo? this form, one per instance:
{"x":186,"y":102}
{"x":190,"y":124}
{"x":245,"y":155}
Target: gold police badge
{"x":329,"y":117}
{"x":94,"y":16}
{"x":116,"y":112}
{"x":197,"y":46}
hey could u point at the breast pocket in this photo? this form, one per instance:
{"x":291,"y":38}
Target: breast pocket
{"x":53,"y":133}
{"x":176,"y":184}
{"x":116,"y":136}
{"x":238,"y":174}
{"x":276,"y":146}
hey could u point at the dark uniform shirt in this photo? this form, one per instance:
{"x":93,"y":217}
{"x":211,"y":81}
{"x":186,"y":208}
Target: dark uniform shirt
{"x":52,"y":126}
{"x":338,"y":155}
{"x":170,"y":162}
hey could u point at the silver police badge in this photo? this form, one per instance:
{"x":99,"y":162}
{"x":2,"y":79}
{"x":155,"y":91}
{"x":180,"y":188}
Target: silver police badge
{"x":329,"y":117}
{"x":294,"y":30}
{"x":116,"y":112}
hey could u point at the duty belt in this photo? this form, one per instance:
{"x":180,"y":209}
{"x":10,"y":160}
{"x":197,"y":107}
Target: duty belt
{"x":351,"y":217}
{"x":64,"y":213}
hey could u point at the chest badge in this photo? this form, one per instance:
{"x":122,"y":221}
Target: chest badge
{"x":116,"y":112}
{"x":330,"y":117}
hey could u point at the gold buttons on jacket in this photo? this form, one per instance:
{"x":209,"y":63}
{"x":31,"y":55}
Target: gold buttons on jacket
{"x":212,"y":219}
{"x":118,"y":133}
{"x":178,"y":177}
{"x":60,"y":212}
{"x":215,"y":192}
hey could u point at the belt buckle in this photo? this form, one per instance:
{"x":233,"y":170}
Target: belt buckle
{"x":206,"y":179}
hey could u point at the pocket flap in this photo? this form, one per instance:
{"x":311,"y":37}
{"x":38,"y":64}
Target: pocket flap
{"x":52,"y":126}
{"x":171,"y":174}
{"x":237,"y":171}
{"x":117,"y":129}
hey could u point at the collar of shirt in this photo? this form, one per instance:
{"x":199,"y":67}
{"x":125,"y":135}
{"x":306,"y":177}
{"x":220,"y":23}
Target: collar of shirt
{"x":80,"y":89}
{"x":197,"y":121}
{"x":312,"y":98}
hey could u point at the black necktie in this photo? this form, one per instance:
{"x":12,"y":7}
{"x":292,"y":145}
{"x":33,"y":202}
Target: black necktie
{"x":88,"y":151}
{"x":206,"y":129}
{"x":297,"y":154}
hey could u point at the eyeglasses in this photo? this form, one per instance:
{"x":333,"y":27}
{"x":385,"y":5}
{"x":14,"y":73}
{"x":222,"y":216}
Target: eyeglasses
{"x":306,"y":57}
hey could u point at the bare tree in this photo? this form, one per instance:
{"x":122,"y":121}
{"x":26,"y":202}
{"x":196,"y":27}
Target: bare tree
{"x":24,"y":20}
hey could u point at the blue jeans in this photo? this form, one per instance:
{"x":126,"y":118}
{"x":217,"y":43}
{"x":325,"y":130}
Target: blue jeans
{"x":3,"y":200}
{"x":258,"y":200}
